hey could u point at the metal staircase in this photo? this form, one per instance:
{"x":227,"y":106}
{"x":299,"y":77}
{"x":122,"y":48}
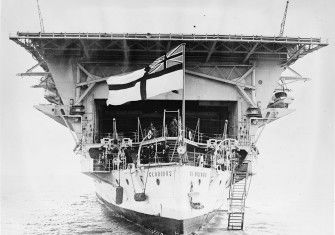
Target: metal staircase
{"x":172,"y":154}
{"x":237,"y":196}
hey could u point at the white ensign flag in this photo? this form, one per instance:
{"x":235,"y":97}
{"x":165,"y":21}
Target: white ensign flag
{"x":163,"y":75}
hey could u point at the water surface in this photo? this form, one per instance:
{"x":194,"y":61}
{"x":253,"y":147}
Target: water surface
{"x":68,"y":205}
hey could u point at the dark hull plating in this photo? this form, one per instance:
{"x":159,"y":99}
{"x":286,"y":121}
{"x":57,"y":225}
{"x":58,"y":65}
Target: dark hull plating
{"x":161,"y":224}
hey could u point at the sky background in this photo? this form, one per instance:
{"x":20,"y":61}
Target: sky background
{"x":296,"y":162}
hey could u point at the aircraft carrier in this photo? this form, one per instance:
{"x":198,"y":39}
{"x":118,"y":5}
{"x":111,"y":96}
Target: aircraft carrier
{"x":168,"y":162}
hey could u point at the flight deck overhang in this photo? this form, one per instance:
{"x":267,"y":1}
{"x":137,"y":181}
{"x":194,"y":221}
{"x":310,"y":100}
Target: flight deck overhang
{"x":244,"y":70}
{"x":76,"y":65}
{"x":141,"y":48}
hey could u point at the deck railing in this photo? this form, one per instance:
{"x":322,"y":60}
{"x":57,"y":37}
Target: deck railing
{"x":102,"y":165}
{"x":198,"y":137}
{"x":109,"y":163}
{"x":161,"y":36}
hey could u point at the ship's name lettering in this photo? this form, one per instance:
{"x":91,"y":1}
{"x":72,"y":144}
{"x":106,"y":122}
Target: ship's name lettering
{"x":160,"y":173}
{"x":198,"y":174}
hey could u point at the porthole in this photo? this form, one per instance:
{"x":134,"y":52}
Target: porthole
{"x":260,"y":82}
{"x":127,"y":181}
{"x":158,"y":181}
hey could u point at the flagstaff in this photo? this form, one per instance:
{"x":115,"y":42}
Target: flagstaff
{"x":183,"y":103}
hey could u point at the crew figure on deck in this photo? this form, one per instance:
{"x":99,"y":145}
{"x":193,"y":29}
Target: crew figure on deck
{"x":153,"y":129}
{"x":173,"y":127}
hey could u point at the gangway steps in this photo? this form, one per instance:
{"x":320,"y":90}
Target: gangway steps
{"x":237,"y":196}
{"x":235,"y":221}
{"x":172,"y":154}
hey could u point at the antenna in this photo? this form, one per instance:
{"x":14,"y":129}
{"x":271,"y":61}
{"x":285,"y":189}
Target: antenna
{"x":282,"y":25}
{"x":40,"y":17}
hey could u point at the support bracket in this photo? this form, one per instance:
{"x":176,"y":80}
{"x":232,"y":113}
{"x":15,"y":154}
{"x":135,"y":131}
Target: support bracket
{"x":250,"y":52}
{"x":246,"y":96}
{"x":202,"y":75}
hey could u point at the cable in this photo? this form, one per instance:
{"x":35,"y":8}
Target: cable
{"x":132,"y":181}
{"x":146,"y":180}
{"x":249,"y":186}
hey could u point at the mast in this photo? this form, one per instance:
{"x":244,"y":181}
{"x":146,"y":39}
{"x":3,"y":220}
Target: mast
{"x":282,"y":25}
{"x":183,"y":103}
{"x":40,"y":17}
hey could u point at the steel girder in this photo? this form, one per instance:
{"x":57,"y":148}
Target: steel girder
{"x":131,"y":48}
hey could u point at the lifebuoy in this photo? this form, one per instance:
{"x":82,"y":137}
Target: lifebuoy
{"x":181,"y":149}
{"x":149,"y":134}
{"x":190,"y":136}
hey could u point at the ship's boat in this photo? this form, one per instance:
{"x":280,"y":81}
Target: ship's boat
{"x":254,"y":112}
{"x":280,"y":99}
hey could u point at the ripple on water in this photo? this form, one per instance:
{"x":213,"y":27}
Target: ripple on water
{"x":77,"y":211}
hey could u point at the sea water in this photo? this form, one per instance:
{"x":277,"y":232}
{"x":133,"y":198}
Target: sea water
{"x":59,"y":204}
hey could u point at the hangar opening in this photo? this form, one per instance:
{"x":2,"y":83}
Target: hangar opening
{"x":206,"y":117}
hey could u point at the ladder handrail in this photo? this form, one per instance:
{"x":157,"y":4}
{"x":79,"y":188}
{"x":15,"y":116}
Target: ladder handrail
{"x":236,"y":215}
{"x":174,"y":149}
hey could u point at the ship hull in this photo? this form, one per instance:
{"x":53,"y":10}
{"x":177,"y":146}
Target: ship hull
{"x":161,"y":224}
{"x":168,"y":207}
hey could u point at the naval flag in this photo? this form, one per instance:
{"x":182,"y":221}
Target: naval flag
{"x":163,"y":75}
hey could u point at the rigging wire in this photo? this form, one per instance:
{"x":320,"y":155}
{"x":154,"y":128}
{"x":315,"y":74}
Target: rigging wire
{"x":247,"y":193}
{"x":146,"y":179}
{"x":40,"y":16}
{"x":282,"y":25}
{"x":131,"y":176}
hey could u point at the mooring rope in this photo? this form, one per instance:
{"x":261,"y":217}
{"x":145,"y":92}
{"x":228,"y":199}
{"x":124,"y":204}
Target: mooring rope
{"x":131,"y":176}
{"x":146,"y":179}
{"x":249,"y":186}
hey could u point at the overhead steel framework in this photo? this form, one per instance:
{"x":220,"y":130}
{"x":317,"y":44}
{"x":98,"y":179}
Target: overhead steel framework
{"x":224,"y":58}
{"x":145,"y":47}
